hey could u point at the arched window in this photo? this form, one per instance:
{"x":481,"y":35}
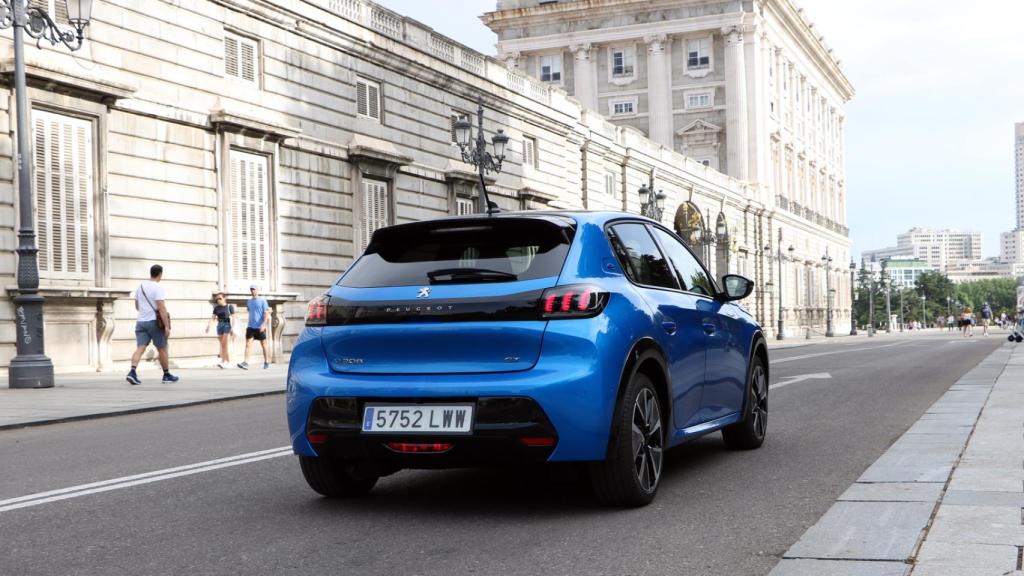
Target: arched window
{"x":689,"y":226}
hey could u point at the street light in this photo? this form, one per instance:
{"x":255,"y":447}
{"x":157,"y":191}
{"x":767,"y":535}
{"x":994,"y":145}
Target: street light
{"x":924,"y":299}
{"x":853,"y":296}
{"x":30,"y":367}
{"x":780,"y":335}
{"x":887,"y":284}
{"x":871,"y":302}
{"x":827,"y":260}
{"x":475,"y":152}
{"x":651,"y":205}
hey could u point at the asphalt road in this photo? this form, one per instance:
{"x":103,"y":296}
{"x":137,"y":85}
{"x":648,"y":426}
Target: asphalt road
{"x":717,"y":512}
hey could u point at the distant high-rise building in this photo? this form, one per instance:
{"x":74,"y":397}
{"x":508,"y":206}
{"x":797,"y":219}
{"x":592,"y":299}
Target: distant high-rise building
{"x":941,"y":249}
{"x":1011,"y":244}
{"x":1019,"y":156}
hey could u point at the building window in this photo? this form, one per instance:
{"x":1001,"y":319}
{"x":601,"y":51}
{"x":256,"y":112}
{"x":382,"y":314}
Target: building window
{"x":698,"y":53}
{"x":56,"y":9}
{"x":551,"y":68}
{"x":250,"y":218}
{"x":375,"y":209}
{"x":622,"y":107}
{"x":529,"y":151}
{"x":609,"y":183}
{"x":241,"y":58}
{"x":62,"y":170}
{"x":698,"y":100}
{"x":464,"y":206}
{"x":368,"y":99}
{"x":622,"y":62}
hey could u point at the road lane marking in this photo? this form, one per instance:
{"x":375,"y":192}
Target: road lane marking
{"x":801,"y":378}
{"x":138,"y":479}
{"x":805,"y":356}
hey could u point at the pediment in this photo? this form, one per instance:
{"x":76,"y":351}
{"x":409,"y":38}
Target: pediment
{"x":699,"y":127}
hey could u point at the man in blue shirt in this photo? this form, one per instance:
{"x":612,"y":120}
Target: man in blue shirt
{"x":259,"y":320}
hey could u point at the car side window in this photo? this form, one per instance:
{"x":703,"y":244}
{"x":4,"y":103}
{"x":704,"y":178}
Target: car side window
{"x":691,"y":275}
{"x":640,"y":256}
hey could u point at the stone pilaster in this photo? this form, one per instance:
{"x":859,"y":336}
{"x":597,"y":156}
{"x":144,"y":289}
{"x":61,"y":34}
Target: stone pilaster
{"x":736,"y":105}
{"x":659,"y":94}
{"x":584,"y":75}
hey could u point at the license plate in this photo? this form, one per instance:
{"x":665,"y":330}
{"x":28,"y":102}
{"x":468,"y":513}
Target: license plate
{"x":418,"y":418}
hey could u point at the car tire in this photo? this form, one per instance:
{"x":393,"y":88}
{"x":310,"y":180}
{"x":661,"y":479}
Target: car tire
{"x":749,"y":433}
{"x":630,"y":474}
{"x":334,"y":478}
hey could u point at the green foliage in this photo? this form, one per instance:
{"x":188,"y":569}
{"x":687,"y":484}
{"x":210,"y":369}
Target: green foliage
{"x":1000,"y":293}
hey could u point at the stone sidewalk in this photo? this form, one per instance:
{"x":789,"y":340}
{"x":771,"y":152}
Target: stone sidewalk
{"x":945,"y":500}
{"x":82,"y":396}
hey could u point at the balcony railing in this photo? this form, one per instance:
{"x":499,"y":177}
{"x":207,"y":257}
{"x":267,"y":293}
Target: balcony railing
{"x":807,"y":213}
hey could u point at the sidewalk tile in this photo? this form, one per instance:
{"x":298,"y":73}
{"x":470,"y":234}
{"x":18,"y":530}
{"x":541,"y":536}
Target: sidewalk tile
{"x":802,"y":567}
{"x":946,"y":559}
{"x":865,"y":531}
{"x":893,"y":492}
{"x":983,"y":498}
{"x":978,"y":525}
{"x":988,"y":479}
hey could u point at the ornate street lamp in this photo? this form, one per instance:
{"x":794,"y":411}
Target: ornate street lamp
{"x":30,"y":367}
{"x":652,"y":205}
{"x":853,"y":296}
{"x":474,"y":151}
{"x":871,"y":302}
{"x":827,"y":261}
{"x":887,"y":284}
{"x":781,"y":330}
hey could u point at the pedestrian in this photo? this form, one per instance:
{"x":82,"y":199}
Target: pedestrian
{"x":986,"y":318}
{"x":224,"y":316}
{"x":152,"y":325}
{"x":949,"y":323}
{"x":256,"y":329}
{"x":1002,"y":320}
{"x":967,"y":319}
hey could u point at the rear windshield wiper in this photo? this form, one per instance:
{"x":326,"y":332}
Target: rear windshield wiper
{"x":469,"y":275}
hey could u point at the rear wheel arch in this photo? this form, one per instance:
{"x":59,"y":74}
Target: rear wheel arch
{"x":645,"y":356}
{"x":758,"y":348}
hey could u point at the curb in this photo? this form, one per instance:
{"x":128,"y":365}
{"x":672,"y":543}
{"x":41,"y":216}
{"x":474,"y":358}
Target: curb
{"x":140,"y":410}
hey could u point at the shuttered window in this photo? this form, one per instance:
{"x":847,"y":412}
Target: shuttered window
{"x":241,"y":58}
{"x":529,"y":151}
{"x":56,"y":9}
{"x":368,"y":99}
{"x":464,"y":206}
{"x":250,"y":219}
{"x":375,"y":209}
{"x":62,"y":174}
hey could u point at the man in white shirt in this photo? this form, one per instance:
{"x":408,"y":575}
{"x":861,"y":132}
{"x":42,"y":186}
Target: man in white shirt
{"x":149,"y":301}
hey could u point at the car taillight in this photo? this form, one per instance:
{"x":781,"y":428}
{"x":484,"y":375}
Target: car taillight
{"x":576,"y":301}
{"x":316,"y":310}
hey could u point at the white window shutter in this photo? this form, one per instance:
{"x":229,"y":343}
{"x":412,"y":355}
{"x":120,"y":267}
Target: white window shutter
{"x":248,"y":61}
{"x":463,"y":206}
{"x":250,"y":219}
{"x":362,"y":107}
{"x":373,"y":95}
{"x":375,"y":209}
{"x":231,"y":56}
{"x":62,"y":160}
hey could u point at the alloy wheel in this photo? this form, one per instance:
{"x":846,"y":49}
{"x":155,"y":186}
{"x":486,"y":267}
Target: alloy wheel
{"x":647,"y":440}
{"x":759,"y":412}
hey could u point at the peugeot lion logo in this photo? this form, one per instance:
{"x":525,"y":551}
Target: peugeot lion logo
{"x":424,"y":292}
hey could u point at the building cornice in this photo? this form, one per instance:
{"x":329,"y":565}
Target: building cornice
{"x":792,"y":19}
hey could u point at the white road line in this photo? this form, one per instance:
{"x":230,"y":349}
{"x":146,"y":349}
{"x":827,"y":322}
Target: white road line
{"x":137,"y":479}
{"x":801,"y":378}
{"x":805,"y":356}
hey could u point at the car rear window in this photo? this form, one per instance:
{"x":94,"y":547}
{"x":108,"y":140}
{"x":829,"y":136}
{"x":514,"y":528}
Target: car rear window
{"x":462,"y":251}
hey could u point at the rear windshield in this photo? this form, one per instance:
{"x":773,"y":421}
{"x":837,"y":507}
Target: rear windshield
{"x":460,"y":252}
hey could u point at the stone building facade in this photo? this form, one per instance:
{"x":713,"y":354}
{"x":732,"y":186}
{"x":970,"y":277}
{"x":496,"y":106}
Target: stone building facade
{"x":241,"y":141}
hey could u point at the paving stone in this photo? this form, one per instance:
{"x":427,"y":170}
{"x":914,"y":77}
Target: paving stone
{"x":865,"y":531}
{"x":803,"y":567}
{"x":893,"y":492}
{"x":988,"y":479}
{"x":876,"y":473}
{"x":983,"y":498}
{"x":939,"y":427}
{"x":945,"y":559}
{"x":978,"y":525}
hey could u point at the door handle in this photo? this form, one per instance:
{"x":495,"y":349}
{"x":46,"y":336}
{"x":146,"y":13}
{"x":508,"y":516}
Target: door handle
{"x":709,"y":329}
{"x":670,"y":327}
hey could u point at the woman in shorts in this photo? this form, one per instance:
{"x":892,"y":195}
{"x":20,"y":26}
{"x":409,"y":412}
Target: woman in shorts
{"x":224,"y":316}
{"x":967,"y":321}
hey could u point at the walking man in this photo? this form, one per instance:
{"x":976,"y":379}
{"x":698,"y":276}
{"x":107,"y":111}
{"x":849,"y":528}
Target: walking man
{"x":986,"y":318}
{"x":153,"y":324}
{"x":257,"y":327}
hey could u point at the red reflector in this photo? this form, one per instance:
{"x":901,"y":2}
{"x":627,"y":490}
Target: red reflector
{"x":549,"y":304}
{"x":584,"y":302}
{"x":538,"y":440}
{"x":420,"y":447}
{"x":316,"y":438}
{"x":567,"y":301}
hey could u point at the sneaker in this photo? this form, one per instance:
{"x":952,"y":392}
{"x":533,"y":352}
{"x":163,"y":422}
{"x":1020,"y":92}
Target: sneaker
{"x":133,"y":379}
{"x":266,"y":365}
{"x":222,"y":365}
{"x":168,"y":378}
{"x":243,"y":365}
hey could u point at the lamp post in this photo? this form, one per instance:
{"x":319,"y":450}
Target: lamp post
{"x":30,"y":367}
{"x":827,"y":260}
{"x":474,"y":151}
{"x":853,"y":296}
{"x":781,"y":331}
{"x":901,"y":311}
{"x":652,"y":205}
{"x":924,"y":300}
{"x":887,"y":284}
{"x":871,"y":303}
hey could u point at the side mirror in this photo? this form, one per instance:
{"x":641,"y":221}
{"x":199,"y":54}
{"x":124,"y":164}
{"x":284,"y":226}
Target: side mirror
{"x":736,"y":287}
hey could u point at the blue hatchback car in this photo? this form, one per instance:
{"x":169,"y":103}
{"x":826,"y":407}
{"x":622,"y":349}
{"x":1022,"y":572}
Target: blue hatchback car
{"x":591,"y":337}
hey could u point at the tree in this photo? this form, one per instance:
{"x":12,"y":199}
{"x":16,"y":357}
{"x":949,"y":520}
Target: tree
{"x":1000,"y":293}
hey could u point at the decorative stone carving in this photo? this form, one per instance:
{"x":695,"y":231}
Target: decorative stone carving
{"x":104,"y":332}
{"x":656,"y":43}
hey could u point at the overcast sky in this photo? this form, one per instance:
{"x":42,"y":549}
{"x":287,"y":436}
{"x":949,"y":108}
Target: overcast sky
{"x":930,"y":131}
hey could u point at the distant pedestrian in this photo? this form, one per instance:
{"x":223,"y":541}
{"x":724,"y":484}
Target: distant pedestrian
{"x":967,"y":321}
{"x":224,"y":316}
{"x":949,"y":323}
{"x":986,"y":318}
{"x":153,"y":324}
{"x":256,"y":329}
{"x":1002,"y":320}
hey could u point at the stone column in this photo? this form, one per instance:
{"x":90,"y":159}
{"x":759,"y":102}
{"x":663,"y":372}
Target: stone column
{"x":585,"y":75}
{"x":659,"y":90}
{"x":736,"y":104}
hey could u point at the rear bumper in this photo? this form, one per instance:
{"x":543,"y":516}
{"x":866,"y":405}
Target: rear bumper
{"x":574,"y":385}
